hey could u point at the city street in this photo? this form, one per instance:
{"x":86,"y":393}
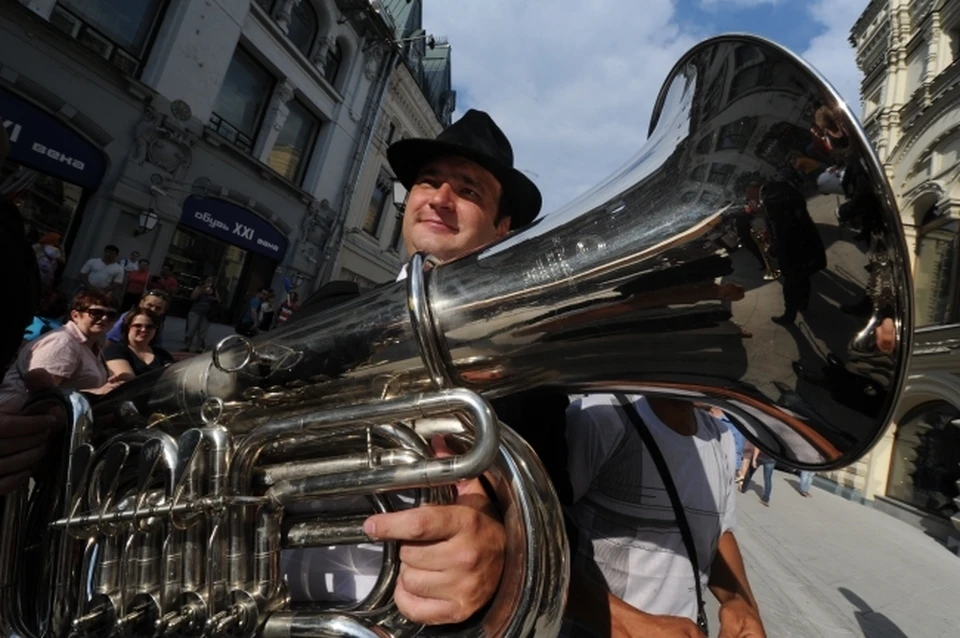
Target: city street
{"x":829,"y":567}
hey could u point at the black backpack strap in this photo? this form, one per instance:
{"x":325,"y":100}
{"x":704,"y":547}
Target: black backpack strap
{"x":667,"y":478}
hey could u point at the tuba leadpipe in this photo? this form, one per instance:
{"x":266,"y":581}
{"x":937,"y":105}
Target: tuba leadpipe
{"x":176,"y":496}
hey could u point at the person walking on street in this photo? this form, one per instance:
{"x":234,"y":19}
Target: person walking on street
{"x":806,"y":480}
{"x":204,"y":297}
{"x":761,"y":459}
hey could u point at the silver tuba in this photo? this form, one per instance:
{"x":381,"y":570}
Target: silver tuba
{"x":176,"y":496}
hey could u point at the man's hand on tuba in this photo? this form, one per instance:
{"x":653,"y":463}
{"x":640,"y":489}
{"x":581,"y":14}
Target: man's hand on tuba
{"x":452,"y":556}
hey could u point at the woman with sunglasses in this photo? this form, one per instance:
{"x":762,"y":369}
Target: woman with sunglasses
{"x":70,"y":354}
{"x":138,"y":353}
{"x":156,"y":301}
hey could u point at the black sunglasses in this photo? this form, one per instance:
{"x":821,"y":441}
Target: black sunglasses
{"x":99,"y":314}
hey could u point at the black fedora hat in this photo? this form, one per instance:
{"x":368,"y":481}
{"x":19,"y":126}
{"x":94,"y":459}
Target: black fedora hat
{"x":476,"y":137}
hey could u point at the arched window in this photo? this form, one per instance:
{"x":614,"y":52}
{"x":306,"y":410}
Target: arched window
{"x":926,"y":459}
{"x":331,"y":66}
{"x":303,"y":26}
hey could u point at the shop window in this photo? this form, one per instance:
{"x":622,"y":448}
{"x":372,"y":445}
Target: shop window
{"x":937,"y":273}
{"x":303,"y":26}
{"x":242,"y":101}
{"x":332,"y":63}
{"x":378,"y":204}
{"x":926,"y":459}
{"x":291,"y":151}
{"x":46,"y":204}
{"x":119,"y":30}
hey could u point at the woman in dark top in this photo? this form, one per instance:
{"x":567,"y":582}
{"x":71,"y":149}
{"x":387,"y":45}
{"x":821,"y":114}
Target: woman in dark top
{"x":136,"y":354}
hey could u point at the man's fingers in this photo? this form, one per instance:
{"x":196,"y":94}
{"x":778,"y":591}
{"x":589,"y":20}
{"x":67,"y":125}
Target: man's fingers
{"x":12,"y":482}
{"x":429,"y":611}
{"x":21,"y":425}
{"x":418,"y":524}
{"x":22,"y":461}
{"x":14,"y":445}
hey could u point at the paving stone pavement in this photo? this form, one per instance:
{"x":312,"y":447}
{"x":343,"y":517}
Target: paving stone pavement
{"x":826,"y":567}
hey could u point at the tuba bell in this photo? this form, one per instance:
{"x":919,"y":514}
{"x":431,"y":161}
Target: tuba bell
{"x":173,"y":499}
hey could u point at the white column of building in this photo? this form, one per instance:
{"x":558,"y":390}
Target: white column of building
{"x":193,"y":51}
{"x":276,"y":117}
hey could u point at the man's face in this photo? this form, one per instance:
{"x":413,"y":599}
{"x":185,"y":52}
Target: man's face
{"x":109,"y":256}
{"x":451,"y":209}
{"x":134,"y":256}
{"x":155,"y":305}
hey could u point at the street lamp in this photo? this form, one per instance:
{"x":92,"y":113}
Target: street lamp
{"x":148,"y":221}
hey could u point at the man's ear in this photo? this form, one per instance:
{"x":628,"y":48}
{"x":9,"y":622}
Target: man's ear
{"x":502,"y":227}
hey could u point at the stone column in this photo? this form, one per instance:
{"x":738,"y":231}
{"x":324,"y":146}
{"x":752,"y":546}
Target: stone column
{"x":284,"y":13}
{"x":274,"y":120}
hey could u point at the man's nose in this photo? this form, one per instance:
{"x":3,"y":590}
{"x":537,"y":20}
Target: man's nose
{"x":444,"y":195}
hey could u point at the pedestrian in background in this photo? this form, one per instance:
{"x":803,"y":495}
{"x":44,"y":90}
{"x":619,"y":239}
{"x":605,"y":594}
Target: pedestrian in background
{"x":287,"y":308}
{"x":136,"y":283}
{"x":806,"y":480}
{"x":267,"y":311}
{"x":104,"y":273}
{"x":761,"y":459}
{"x":250,"y":319}
{"x":156,"y":301}
{"x":49,"y":258}
{"x":205,"y":297}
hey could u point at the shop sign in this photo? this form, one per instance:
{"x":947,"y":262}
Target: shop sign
{"x":233,"y":224}
{"x":41,"y":142}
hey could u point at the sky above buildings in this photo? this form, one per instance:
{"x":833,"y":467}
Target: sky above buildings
{"x":572,"y":82}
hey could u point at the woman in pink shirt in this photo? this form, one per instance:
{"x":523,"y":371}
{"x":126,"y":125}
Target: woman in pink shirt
{"x":70,"y":354}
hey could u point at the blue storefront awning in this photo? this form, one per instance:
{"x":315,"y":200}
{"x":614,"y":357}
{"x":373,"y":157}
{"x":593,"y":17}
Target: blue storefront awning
{"x":233,"y":224}
{"x":41,"y":142}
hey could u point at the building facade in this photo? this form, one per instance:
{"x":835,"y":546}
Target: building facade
{"x":909,"y":53}
{"x":419,"y":103}
{"x":221,"y":138}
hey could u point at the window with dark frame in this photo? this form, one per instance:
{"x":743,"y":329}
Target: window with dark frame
{"x":120,"y":31}
{"x":243,"y":98}
{"x":396,"y":239}
{"x":331,"y":65}
{"x":290,"y":153}
{"x":379,"y":200}
{"x":736,"y":135}
{"x":303,"y":26}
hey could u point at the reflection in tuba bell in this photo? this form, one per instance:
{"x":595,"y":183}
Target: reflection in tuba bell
{"x":174,"y":497}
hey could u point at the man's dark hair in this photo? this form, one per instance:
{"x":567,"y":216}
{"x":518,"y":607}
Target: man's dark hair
{"x":111,"y":247}
{"x":88,"y":298}
{"x":144,"y":261}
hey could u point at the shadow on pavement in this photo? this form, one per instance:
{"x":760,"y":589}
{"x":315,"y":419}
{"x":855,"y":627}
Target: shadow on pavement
{"x":872,"y":623}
